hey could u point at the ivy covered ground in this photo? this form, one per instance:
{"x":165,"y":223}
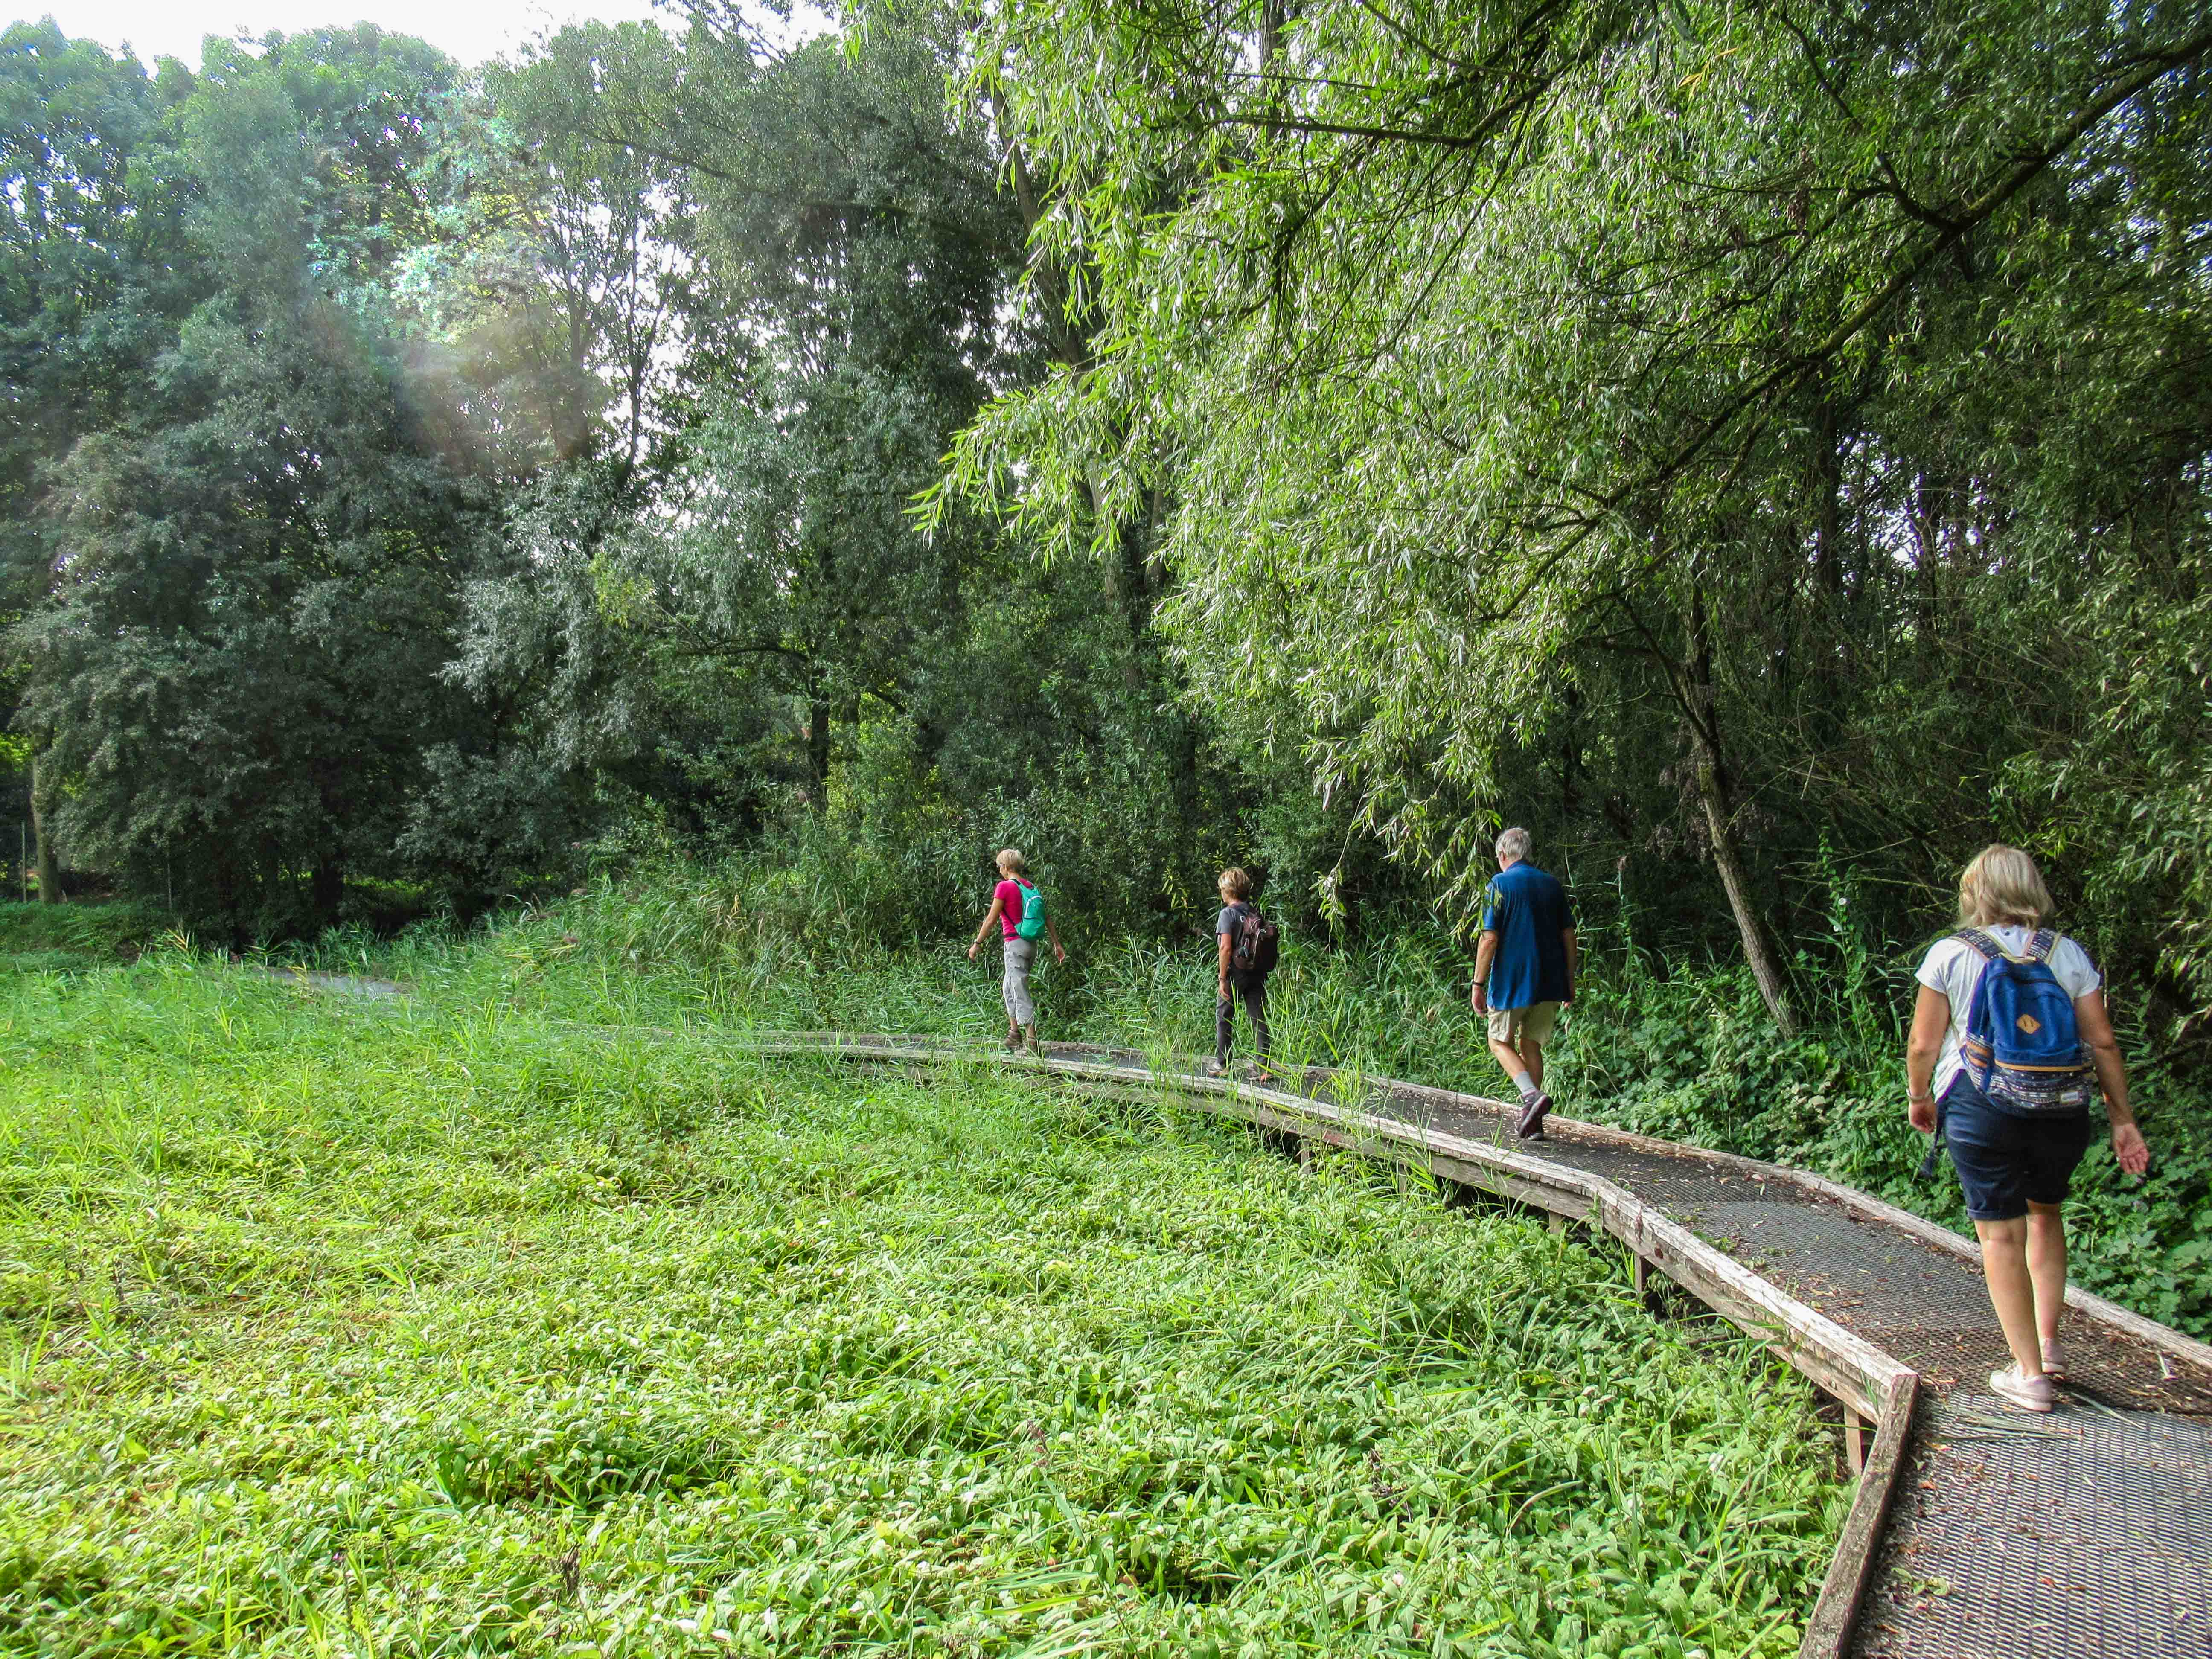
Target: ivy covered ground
{"x":439,"y":1328}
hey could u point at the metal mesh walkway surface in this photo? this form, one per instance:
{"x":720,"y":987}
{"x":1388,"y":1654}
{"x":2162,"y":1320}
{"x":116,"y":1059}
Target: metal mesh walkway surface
{"x":1979,"y":1532}
{"x":2087,"y":1532}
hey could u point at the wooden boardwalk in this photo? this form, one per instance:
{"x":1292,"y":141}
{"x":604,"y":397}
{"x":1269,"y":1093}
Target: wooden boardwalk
{"x":1976,"y":1532}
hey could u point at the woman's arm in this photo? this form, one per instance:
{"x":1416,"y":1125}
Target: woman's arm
{"x":1221,"y":958}
{"x":1931,"y":1018}
{"x":998,"y":905}
{"x":2096,"y":1024}
{"x":1052,"y":932}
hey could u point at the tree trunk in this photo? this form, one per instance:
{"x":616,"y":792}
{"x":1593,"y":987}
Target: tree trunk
{"x":327,"y":887}
{"x":1735,"y":880}
{"x":818,"y":754}
{"x":1716,"y":797}
{"x":1827,"y":491}
{"x":1068,"y":344}
{"x":49,"y":867}
{"x":1272,"y":16}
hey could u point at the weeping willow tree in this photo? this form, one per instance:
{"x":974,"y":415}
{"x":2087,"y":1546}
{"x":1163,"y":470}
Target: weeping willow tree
{"x":1807,"y":373}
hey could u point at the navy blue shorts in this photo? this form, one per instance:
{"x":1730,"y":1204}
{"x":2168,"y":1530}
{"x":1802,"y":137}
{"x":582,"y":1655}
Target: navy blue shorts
{"x":2007,"y":1162}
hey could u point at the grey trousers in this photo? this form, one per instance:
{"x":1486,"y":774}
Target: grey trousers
{"x":1014,"y":988}
{"x":1254,"y":998}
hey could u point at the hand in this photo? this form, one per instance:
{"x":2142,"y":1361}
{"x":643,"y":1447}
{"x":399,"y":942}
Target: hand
{"x":1224,"y":988}
{"x":1478,"y":997}
{"x":973,"y":949}
{"x":1058,"y":951}
{"x":2129,"y":1150}
{"x":1922,"y":1112}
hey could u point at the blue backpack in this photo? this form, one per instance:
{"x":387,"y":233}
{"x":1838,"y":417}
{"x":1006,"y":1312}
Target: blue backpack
{"x":2022,"y":1047}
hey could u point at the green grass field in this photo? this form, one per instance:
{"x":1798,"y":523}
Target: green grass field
{"x":1687,"y":1054}
{"x":438,"y":1327}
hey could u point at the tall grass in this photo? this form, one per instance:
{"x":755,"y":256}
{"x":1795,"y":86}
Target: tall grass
{"x":67,"y":937}
{"x":1677,"y":1049}
{"x":1683,"y":1051}
{"x":441,"y":1326}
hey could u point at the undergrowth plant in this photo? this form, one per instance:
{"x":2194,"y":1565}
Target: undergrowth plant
{"x":440,"y":1327}
{"x":1688,"y":1054}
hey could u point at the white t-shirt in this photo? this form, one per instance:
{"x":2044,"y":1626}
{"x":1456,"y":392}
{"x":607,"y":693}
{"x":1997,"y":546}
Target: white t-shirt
{"x":1955,"y":967}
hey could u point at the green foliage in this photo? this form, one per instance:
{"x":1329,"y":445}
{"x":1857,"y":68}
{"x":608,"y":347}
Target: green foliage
{"x":65,"y":938}
{"x":336,"y":1326}
{"x":1697,"y":430}
{"x":90,"y":221}
{"x":453,"y":487}
{"x":255,"y":573}
{"x":1687,"y":1054}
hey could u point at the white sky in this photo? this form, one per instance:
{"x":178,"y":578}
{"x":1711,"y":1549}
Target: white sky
{"x":470,"y":30}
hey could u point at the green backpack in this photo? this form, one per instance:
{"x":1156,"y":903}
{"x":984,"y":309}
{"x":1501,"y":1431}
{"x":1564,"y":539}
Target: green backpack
{"x":1031,"y":926}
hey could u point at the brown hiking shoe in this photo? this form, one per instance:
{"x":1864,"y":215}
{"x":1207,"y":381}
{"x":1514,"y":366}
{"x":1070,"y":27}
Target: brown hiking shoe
{"x":1530,"y":1125}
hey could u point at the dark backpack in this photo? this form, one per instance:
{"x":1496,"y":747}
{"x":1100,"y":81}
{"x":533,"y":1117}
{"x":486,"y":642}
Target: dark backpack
{"x":1254,"y":945}
{"x":2023,"y":1048}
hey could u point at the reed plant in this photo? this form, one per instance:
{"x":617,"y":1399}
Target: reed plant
{"x":1683,"y":1050}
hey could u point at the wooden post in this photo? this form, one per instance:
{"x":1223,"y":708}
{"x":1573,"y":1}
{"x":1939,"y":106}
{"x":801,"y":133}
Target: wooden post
{"x":1639,"y":1274}
{"x":1854,"y":1446}
{"x":1558,"y":1224}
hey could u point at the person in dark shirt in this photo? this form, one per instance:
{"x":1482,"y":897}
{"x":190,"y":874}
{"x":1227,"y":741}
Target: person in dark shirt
{"x":1249,"y":985}
{"x":1524,"y":971}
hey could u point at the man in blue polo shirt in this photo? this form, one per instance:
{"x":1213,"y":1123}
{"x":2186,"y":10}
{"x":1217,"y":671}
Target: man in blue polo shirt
{"x":1524,"y":970}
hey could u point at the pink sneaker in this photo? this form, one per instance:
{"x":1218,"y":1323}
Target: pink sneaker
{"x":2030,"y":1394}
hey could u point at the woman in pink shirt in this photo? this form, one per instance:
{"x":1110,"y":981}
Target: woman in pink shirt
{"x":1007,"y":900}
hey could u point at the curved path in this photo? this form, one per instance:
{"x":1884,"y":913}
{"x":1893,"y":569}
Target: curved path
{"x":1977,"y":1532}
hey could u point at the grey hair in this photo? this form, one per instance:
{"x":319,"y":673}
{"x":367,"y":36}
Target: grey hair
{"x":1513,"y":846}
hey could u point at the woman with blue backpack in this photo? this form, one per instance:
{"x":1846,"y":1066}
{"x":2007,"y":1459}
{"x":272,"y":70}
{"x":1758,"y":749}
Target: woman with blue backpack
{"x":2010,"y":1043}
{"x":1018,"y":909}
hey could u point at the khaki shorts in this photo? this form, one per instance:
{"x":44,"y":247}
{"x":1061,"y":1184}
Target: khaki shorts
{"x":1515,"y":1026}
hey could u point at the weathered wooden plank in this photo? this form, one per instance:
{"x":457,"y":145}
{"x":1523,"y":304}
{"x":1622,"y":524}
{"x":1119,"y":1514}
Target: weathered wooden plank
{"x":1861,"y":1376}
{"x":1574,"y":1205}
{"x":2163,"y":1337}
{"x":1846,"y":1364}
{"x":1851,"y":1567}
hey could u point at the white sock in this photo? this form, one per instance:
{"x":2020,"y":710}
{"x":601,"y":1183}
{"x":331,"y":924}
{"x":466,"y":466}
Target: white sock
{"x":1526,"y":1084}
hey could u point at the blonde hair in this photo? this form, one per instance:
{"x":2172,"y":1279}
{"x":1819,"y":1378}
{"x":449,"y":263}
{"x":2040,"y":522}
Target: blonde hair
{"x":1011,"y":862}
{"x":1234,"y":883}
{"x":2002,"y":884}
